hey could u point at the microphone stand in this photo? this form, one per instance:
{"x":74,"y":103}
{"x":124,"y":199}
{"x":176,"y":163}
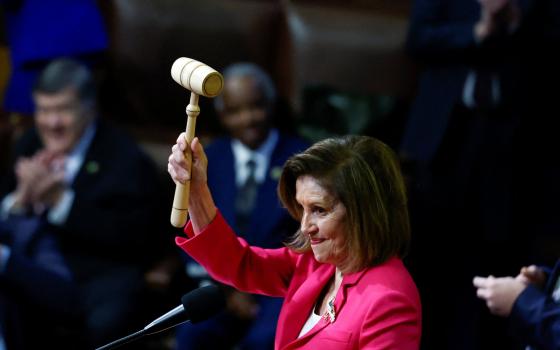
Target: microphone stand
{"x":170,"y":319}
{"x":124,"y":340}
{"x":197,"y":305}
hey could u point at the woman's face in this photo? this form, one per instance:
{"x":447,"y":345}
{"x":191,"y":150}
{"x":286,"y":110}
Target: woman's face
{"x":323,"y":220}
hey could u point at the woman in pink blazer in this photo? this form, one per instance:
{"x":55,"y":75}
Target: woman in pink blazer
{"x":341,"y":275}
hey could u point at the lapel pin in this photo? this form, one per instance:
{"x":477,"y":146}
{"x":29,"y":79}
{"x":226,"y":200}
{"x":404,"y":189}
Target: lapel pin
{"x":275,"y":173}
{"x":330,"y":314}
{"x":92,"y":167}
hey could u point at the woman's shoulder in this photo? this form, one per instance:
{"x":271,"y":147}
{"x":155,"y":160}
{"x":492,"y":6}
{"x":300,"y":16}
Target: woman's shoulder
{"x":391,"y":275}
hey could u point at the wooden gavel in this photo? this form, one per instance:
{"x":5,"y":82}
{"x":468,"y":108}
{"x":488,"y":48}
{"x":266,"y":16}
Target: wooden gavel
{"x":200,"y":79}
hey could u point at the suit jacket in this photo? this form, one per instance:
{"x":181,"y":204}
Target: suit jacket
{"x":535,"y":316}
{"x":37,"y":292}
{"x":442,"y":41}
{"x":115,"y":210}
{"x":270,"y":224}
{"x":376,"y":308}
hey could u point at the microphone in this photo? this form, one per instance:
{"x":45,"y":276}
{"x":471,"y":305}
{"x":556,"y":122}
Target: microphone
{"x":197,"y":305}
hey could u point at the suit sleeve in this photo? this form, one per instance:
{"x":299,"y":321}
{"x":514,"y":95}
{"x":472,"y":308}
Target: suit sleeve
{"x":535,"y":318}
{"x":393,"y":322}
{"x":431,"y":35}
{"x":230,"y":260}
{"x":42,"y":279}
{"x":434,"y":35}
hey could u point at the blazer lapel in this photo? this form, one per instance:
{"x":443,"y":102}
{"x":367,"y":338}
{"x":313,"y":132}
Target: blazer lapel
{"x":554,"y":275}
{"x":221,"y":177}
{"x":269,"y":211}
{"x":340,"y":299}
{"x":267,"y":214}
{"x":301,"y":304}
{"x":347,"y":282}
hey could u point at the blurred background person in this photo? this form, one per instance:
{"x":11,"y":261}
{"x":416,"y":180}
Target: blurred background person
{"x":530,"y":302}
{"x":244,"y":168}
{"x":32,"y":33}
{"x":468,"y":141}
{"x":70,"y":168}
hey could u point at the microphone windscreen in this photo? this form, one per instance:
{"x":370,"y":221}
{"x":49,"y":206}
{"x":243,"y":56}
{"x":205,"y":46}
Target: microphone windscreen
{"x":203,"y":303}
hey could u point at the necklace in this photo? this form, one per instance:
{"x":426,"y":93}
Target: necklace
{"x":330,"y":314}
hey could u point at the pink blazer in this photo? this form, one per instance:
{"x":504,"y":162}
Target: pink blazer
{"x":376,"y":308}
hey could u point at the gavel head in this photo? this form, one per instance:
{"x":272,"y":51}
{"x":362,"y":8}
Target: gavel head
{"x":197,"y":77}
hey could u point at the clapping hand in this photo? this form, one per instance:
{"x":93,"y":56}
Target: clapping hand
{"x":496,"y":15}
{"x":40,"y":180}
{"x":499,"y":293}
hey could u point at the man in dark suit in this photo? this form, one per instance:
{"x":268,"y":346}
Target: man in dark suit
{"x":530,"y":301}
{"x":98,"y":192}
{"x":244,"y":169}
{"x":468,"y":138}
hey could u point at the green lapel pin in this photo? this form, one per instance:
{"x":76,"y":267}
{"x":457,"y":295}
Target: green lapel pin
{"x":275,"y":173}
{"x":92,"y":167}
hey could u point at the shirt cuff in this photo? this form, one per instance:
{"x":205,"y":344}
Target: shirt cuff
{"x":8,"y":207}
{"x":59,"y":213}
{"x":522,"y":316}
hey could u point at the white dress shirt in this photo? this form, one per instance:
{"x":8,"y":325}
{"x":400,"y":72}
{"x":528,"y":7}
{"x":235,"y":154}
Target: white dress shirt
{"x":242,"y":154}
{"x":468,"y":90}
{"x":312,"y":320}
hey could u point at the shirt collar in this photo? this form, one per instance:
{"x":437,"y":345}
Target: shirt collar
{"x":76,"y":157}
{"x":261,"y":156}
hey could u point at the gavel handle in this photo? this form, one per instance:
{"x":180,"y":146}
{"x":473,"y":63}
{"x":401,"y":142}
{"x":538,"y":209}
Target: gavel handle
{"x":180,"y":209}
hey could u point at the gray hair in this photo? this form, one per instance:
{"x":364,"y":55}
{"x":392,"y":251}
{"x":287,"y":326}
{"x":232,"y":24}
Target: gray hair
{"x":66,"y":73}
{"x":245,"y":69}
